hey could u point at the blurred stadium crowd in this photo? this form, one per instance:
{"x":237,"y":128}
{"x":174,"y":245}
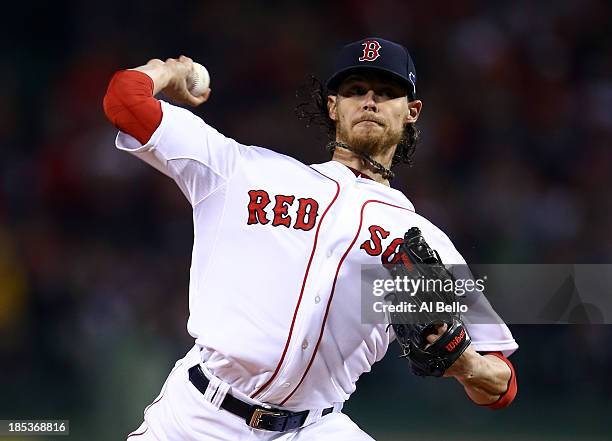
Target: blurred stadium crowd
{"x":515,"y":164}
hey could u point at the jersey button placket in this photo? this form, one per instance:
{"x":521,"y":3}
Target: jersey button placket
{"x":310,"y":319}
{"x":309,"y":322}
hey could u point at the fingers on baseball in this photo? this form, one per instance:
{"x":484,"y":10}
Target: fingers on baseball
{"x":186,"y":61}
{"x":206,"y":95}
{"x":197,"y":100}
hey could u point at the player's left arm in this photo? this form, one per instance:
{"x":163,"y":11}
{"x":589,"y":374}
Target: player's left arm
{"x":487,"y":376}
{"x":488,"y":379}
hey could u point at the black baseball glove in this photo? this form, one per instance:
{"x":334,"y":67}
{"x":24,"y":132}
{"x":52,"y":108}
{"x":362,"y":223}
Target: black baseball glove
{"x":435,"y":304}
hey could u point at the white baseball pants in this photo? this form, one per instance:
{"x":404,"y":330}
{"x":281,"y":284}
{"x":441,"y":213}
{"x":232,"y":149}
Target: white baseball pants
{"x":182,"y":413}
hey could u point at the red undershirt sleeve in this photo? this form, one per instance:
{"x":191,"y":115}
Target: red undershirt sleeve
{"x":507,"y":397}
{"x":130,"y":106}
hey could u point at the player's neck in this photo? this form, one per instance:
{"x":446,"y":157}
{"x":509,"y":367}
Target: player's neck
{"x":352,"y":160}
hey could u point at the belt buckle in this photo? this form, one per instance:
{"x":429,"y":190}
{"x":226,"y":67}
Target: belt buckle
{"x":258,"y":413}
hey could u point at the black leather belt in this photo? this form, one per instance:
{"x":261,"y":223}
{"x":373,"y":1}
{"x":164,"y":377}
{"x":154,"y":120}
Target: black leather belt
{"x":258,"y":417}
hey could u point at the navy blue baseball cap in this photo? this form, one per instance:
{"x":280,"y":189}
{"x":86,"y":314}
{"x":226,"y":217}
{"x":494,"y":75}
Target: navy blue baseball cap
{"x":376,"y":54}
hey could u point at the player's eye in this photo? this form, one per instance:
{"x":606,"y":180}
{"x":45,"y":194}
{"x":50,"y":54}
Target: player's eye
{"x":356,"y":90}
{"x":388,"y":93}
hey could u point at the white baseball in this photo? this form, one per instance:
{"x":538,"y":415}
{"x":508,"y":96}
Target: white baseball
{"x":199,"y":80}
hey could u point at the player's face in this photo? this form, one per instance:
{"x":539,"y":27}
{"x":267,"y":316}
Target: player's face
{"x":370,"y":112}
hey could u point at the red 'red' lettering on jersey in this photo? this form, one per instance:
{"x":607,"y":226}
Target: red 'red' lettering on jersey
{"x":373,"y":246}
{"x":371,"y":50}
{"x":305,"y":218}
{"x":455,"y":341}
{"x":280,"y":210}
{"x":391,"y":254}
{"x":258,"y":199}
{"x":308,"y":208}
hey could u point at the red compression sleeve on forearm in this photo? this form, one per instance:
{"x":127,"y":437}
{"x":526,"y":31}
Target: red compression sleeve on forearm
{"x":507,"y":397}
{"x":130,"y":106}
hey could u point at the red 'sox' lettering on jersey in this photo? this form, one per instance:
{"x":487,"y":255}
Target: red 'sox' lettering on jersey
{"x":305,"y":217}
{"x":455,"y":341}
{"x":373,"y":246}
{"x":391,"y":254}
{"x":371,"y":50}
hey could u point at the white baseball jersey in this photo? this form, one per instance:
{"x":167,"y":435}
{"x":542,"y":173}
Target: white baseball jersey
{"x":274,"y":292}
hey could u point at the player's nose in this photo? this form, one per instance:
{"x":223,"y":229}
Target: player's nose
{"x":370,"y":101}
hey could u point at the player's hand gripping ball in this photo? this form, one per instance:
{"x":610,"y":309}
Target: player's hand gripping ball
{"x":199,"y":81}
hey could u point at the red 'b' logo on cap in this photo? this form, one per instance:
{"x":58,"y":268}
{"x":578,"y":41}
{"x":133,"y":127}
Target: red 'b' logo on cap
{"x":371,"y":50}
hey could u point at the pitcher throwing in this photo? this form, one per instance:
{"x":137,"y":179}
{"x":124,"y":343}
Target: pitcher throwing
{"x":279,"y":344}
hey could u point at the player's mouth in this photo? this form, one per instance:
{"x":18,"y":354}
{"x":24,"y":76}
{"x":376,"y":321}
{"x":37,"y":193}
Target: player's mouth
{"x":369,"y":120}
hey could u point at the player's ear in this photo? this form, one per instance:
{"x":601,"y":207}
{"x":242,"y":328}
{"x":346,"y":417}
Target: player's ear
{"x":331,"y":107}
{"x":414,"y":110}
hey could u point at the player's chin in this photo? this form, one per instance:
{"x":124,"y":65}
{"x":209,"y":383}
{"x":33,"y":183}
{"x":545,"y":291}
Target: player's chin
{"x":367,"y":137}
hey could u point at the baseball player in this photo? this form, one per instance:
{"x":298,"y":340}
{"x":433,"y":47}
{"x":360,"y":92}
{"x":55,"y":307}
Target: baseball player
{"x":274,"y":292}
